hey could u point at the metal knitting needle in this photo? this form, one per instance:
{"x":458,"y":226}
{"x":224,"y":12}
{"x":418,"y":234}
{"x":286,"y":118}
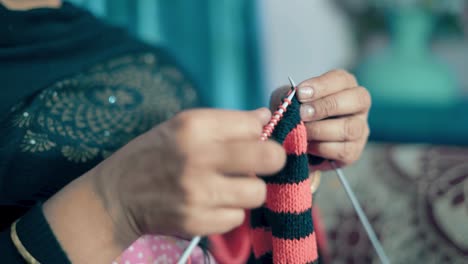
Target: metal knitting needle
{"x":188,"y":251}
{"x":264,"y":136}
{"x":362,"y":216}
{"x":357,"y":207}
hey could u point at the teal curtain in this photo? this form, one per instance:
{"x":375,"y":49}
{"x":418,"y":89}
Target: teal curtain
{"x":216,"y":41}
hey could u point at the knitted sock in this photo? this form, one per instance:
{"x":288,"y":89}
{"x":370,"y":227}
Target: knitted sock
{"x":282,"y":230}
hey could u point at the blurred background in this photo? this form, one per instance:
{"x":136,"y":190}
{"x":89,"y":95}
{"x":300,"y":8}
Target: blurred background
{"x":412,"y":55}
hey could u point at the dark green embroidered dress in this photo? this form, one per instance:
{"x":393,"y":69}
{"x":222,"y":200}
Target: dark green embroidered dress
{"x":73,"y":90}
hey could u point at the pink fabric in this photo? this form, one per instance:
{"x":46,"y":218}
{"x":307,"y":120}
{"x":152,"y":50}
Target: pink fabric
{"x":150,"y":249}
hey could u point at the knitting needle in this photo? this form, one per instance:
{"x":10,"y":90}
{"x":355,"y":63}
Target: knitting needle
{"x":264,"y":136}
{"x":362,"y":217}
{"x":268,"y":129}
{"x":188,"y":251}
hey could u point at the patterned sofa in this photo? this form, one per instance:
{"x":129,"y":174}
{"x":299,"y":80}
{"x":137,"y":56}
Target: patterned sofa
{"x":416,"y":197}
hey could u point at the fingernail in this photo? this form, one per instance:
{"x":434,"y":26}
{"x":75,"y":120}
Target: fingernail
{"x":307,"y":112}
{"x":305,"y":93}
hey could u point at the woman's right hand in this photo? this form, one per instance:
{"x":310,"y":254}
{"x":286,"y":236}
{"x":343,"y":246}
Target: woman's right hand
{"x":190,"y":175}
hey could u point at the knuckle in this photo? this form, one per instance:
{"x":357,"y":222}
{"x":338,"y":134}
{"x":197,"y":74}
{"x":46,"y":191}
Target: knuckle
{"x":215,"y":195}
{"x":354,"y":128}
{"x":364,"y":97}
{"x":314,"y":131}
{"x":190,"y":122}
{"x":348,"y":153}
{"x":211,"y":155}
{"x":327,"y":107}
{"x":349,"y":78}
{"x":319,"y":85}
{"x":185,"y":125}
{"x":340,"y":72}
{"x":181,"y":118}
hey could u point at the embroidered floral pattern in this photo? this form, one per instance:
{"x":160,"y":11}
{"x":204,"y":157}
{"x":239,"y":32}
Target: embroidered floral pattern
{"x":79,"y":154}
{"x":23,"y":119}
{"x":34,"y":142}
{"x":94,"y":113}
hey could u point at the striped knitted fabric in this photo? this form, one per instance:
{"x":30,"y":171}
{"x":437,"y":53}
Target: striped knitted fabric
{"x":282,"y":230}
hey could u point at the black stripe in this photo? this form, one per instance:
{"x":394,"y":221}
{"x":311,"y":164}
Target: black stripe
{"x":314,"y":160}
{"x":266,"y":258}
{"x":295,"y":171}
{"x":291,"y":225}
{"x":289,"y":121}
{"x":258,"y":218}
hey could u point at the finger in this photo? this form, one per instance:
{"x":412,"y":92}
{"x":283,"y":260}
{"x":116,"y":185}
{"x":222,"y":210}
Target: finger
{"x":347,"y":128}
{"x":347,"y":102}
{"x":325,"y":166}
{"x":324,"y":85}
{"x":237,"y":192}
{"x":343,"y":152}
{"x":250,"y":157}
{"x":228,"y":191}
{"x":208,"y":221}
{"x":263,"y":114}
{"x":222,"y":124}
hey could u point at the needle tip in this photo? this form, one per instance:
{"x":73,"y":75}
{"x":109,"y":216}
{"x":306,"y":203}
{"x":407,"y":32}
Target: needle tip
{"x":293,"y":85}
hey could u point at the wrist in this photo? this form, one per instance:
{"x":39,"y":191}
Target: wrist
{"x":106,"y":184}
{"x":81,"y":223}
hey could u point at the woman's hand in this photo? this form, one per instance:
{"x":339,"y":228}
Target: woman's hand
{"x":335,"y":110}
{"x":185,"y":177}
{"x":189,"y":175}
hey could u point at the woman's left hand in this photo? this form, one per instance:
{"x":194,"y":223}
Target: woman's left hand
{"x":335,"y":110}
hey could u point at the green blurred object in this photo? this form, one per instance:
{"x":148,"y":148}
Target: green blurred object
{"x":406,"y":73}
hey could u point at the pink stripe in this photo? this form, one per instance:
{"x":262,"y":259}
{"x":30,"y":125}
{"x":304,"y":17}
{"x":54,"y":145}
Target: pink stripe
{"x":296,"y":251}
{"x":261,"y":241}
{"x":289,"y":198}
{"x":296,"y":141}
